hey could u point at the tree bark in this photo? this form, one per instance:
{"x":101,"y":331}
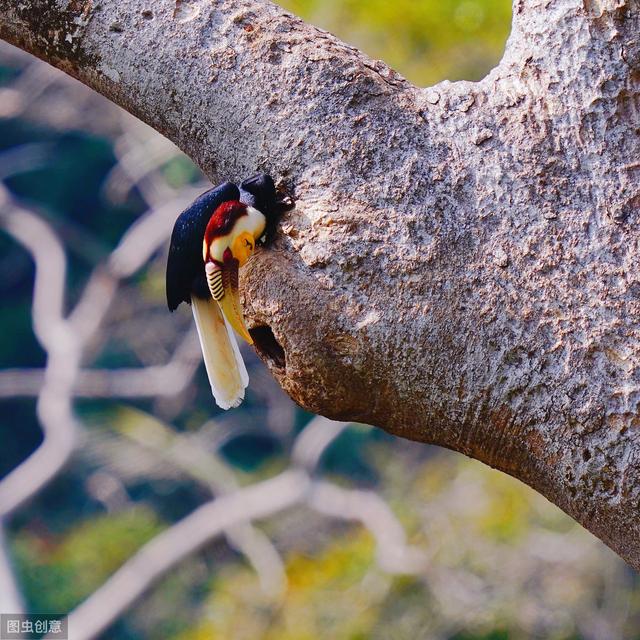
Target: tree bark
{"x":461,"y":267}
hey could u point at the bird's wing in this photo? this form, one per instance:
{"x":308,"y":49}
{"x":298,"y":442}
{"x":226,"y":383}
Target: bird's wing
{"x":225,"y":368}
{"x":185,"y":262}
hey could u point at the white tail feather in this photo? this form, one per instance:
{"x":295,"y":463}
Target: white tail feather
{"x":227,"y":374}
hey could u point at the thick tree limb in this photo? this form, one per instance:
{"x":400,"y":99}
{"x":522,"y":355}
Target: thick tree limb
{"x":462,"y":264}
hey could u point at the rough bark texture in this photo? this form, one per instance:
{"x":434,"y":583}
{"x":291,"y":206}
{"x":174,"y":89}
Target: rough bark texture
{"x":462,"y":264}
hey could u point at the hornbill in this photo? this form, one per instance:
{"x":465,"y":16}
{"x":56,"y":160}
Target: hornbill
{"x":211,"y":240}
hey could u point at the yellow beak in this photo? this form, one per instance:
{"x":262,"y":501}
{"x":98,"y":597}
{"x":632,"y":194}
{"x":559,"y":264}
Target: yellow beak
{"x":230,"y":305}
{"x":243,"y":247}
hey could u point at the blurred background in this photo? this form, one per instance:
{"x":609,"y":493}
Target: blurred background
{"x":112,"y":452}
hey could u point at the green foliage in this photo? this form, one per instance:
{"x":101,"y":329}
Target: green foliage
{"x":314,"y":606}
{"x":68,"y":184}
{"x":487,"y":571}
{"x":180,"y":171}
{"x":57,"y":574}
{"x":426,"y":41}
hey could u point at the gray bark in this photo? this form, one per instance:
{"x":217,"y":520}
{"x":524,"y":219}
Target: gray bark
{"x":461,"y":267}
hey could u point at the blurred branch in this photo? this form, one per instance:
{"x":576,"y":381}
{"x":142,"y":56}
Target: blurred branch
{"x":368,"y":508}
{"x":145,"y":236}
{"x":32,"y":82}
{"x":136,"y":161}
{"x":143,"y":382}
{"x":48,"y":254}
{"x":166,"y":550}
{"x":64,"y":339}
{"x":63,"y":357}
{"x":148,"y":234}
{"x":232,"y":512}
{"x":314,"y":440}
{"x":10,"y":597}
{"x":16,"y":383}
{"x":25,"y":157}
{"x":210,"y":470}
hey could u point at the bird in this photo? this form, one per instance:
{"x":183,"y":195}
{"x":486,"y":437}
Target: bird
{"x":211,"y":240}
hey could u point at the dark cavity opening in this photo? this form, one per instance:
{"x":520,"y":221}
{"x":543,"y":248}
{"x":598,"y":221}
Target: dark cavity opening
{"x":267,"y":345}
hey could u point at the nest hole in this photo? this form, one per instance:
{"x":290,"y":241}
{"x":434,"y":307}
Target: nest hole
{"x":267,"y":345}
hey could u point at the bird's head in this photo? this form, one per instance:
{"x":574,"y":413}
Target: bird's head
{"x":229,"y":240}
{"x":232,"y":233}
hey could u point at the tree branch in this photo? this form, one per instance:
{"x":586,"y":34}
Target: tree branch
{"x":461,"y":267}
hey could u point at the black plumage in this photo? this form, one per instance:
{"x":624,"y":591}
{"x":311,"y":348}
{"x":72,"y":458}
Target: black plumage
{"x":260,"y":192}
{"x":185,"y":271}
{"x":226,"y":231}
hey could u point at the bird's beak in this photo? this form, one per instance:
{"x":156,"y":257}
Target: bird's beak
{"x":223,"y":285}
{"x":230,"y":305}
{"x":243,"y":247}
